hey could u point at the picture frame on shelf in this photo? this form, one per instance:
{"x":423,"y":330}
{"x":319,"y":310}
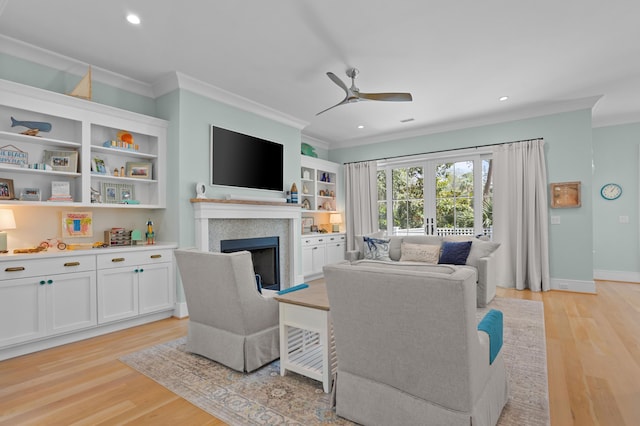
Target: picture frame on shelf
{"x":307,"y":223}
{"x":565,"y":195}
{"x":30,"y":194}
{"x":138,"y":170}
{"x":6,"y":189}
{"x":62,"y":161}
{"x":117,"y":193}
{"x":99,"y":166}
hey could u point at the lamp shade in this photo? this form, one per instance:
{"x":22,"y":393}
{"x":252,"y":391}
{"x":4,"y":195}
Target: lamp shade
{"x":7,"y":221}
{"x":335,"y":219}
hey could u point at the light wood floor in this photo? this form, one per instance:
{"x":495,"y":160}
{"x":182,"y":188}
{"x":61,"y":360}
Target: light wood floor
{"x":593,"y":350}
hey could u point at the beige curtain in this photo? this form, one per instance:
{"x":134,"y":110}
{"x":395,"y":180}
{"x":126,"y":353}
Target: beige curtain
{"x":361,"y":197}
{"x":520,"y":213}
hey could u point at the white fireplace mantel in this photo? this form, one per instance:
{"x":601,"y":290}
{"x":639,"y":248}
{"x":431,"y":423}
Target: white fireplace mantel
{"x":205,"y":209}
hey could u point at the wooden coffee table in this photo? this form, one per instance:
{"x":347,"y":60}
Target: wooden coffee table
{"x":307,"y":346}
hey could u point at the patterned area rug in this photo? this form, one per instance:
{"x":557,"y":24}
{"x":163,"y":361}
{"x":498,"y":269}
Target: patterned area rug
{"x":266,"y":398}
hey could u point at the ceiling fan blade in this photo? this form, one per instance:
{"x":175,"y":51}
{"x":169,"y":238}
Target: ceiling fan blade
{"x":345,"y":101}
{"x":339,"y":82}
{"x":393,"y":97}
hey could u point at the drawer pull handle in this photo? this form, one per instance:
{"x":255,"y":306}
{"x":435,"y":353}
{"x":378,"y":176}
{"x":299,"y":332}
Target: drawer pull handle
{"x":117,"y":259}
{"x":72,"y":264}
{"x":15,"y":269}
{"x":155,"y":256}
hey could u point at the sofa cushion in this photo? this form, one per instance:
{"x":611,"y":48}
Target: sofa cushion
{"x":419,"y":253}
{"x":376,"y":248}
{"x":455,"y":253}
{"x":360,"y":241}
{"x":479,"y":248}
{"x":395,"y":245}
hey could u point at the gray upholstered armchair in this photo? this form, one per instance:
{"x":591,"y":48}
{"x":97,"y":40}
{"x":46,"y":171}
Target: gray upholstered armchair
{"x":229,"y":320}
{"x":408,"y":348}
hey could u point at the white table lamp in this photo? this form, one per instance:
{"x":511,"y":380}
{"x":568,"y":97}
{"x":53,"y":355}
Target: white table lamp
{"x":335,"y":219}
{"x":7,"y":221}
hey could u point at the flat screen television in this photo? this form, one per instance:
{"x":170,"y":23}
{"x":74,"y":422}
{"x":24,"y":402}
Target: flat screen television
{"x":245,"y":161}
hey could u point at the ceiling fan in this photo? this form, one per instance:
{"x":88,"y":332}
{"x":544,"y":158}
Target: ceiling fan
{"x":353,"y":94}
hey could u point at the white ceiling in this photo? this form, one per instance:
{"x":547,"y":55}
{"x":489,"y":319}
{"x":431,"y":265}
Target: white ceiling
{"x":456,"y":58}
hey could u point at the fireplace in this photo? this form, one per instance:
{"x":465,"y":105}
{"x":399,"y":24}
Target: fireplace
{"x":265,"y":254}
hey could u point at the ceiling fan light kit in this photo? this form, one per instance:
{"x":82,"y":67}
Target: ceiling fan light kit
{"x":353,"y":94}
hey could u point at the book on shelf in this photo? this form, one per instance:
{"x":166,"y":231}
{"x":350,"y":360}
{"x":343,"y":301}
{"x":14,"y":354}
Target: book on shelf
{"x":63,"y":198}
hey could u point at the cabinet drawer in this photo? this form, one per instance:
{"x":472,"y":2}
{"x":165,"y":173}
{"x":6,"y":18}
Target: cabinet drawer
{"x":336,"y":238}
{"x":50,"y":266}
{"x":117,"y":260}
{"x":313,"y":241}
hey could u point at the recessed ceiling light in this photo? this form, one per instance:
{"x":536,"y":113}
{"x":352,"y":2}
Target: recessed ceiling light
{"x":503,"y":98}
{"x":361,"y":127}
{"x":133,"y":19}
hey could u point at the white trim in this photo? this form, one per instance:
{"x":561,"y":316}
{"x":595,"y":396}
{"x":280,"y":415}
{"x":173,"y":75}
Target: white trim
{"x":625,"y":276}
{"x":180,"y":310}
{"x":40,"y":56}
{"x":318,"y":143}
{"x":573,"y":285}
{"x":183,"y":81}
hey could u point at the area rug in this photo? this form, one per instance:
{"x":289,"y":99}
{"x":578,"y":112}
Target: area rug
{"x":266,"y":398}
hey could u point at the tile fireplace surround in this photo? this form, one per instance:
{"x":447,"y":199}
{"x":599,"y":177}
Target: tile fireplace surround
{"x":217,"y":220}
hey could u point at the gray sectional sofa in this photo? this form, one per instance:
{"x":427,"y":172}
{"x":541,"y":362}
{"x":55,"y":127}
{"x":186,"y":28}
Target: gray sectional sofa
{"x":481,"y":258}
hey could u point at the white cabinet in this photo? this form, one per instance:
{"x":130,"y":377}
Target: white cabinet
{"x":130,"y":284}
{"x":40,"y":298}
{"x":79,"y":131}
{"x":318,"y":189}
{"x":320,"y":250}
{"x":47,"y":299}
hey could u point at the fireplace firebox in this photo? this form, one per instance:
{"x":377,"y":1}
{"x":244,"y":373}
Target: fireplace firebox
{"x":265,"y":254}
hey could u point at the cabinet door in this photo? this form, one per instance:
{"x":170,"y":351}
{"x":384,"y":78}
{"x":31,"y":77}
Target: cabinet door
{"x":335,"y":252}
{"x":318,"y":258}
{"x":307,"y":260}
{"x":71,"y":302}
{"x":117,"y":294}
{"x":155,"y":287}
{"x":22,"y":307}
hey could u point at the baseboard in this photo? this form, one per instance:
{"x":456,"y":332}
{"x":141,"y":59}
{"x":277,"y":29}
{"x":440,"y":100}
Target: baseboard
{"x":626,"y":276}
{"x":180,"y":310}
{"x":573,"y":285}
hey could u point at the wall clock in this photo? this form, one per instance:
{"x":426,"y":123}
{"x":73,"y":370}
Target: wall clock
{"x":611,"y":191}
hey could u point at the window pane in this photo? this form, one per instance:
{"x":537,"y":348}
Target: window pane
{"x":382,"y":215}
{"x":382,"y":185}
{"x":415,"y":216}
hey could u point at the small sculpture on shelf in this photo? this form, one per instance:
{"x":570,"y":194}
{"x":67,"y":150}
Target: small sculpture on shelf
{"x":151,"y":236}
{"x":34,"y":127}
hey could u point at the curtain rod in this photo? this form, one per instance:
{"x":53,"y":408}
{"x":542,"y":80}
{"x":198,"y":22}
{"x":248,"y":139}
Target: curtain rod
{"x":443,"y":150}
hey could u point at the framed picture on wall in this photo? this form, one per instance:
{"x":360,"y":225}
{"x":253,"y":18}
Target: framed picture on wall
{"x":565,"y":195}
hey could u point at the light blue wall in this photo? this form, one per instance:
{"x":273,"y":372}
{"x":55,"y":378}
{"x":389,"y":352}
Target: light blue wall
{"x":568,"y":147}
{"x":617,"y":159}
{"x":36,"y":75}
{"x":197,"y":114}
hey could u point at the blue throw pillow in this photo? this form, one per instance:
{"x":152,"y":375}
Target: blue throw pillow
{"x":455,"y":253}
{"x":376,"y":248}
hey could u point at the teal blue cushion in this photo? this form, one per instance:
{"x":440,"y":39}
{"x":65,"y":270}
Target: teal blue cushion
{"x":492,"y":325}
{"x":455,"y":253}
{"x":294,"y":288}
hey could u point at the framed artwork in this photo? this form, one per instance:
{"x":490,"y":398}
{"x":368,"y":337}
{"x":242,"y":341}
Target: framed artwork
{"x":6,"y":189}
{"x":115,"y":193}
{"x":77,"y":224}
{"x":565,"y":195}
{"x":138,"y":170}
{"x":11,"y":155}
{"x":99,"y":166}
{"x":307,"y":223}
{"x":62,"y":161}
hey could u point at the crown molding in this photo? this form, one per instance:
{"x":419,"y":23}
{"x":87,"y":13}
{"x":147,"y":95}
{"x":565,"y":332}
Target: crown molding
{"x":532,"y":111}
{"x":178,"y":80}
{"x":29,"y":52}
{"x":315,"y":141}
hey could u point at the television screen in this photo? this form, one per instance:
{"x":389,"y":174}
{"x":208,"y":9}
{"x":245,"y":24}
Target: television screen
{"x":245,"y":161}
